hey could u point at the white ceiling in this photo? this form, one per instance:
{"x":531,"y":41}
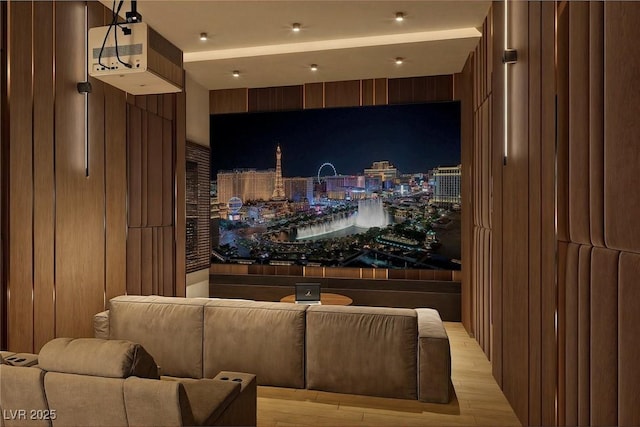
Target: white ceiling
{"x":348,"y":40}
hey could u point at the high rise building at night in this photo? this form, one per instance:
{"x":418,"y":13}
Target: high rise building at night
{"x":247,"y":184}
{"x":383,"y":170}
{"x":447,"y":185}
{"x":278,"y":191}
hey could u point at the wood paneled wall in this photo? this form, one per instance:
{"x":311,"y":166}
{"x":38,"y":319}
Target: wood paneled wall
{"x":560,"y":216}
{"x":352,"y":93}
{"x":67,"y":239}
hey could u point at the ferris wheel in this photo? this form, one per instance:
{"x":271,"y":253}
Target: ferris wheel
{"x":329,"y":165}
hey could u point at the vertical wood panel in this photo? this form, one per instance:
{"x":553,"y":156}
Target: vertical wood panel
{"x":314,"y":95}
{"x":535,"y":201}
{"x":227,"y":101}
{"x":116,"y":191}
{"x":497,"y":150}
{"x":134,"y":139}
{"x":515,"y":227}
{"x":571,"y":329}
{"x":43,"y":176}
{"x":562,"y":85}
{"x":80,"y":233}
{"x":180,"y":201}
{"x":20,"y":265}
{"x":604,"y":337}
{"x":144,"y":168}
{"x":167,"y":173}
{"x":168,"y":260}
{"x":584,"y":318}
{"x":367,"y":92}
{"x":380,"y":92}
{"x":629,"y":340}
{"x":621,"y":126}
{"x":134,"y":261}
{"x":155,"y":260}
{"x":154,"y":170}
{"x":549,"y":354}
{"x":596,"y":121}
{"x":579,"y":122}
{"x":342,"y":94}
{"x":146,"y":261}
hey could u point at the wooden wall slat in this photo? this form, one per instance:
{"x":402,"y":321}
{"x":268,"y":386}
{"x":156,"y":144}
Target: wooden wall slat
{"x":155,"y":170}
{"x":497,"y":108}
{"x":562,"y":84}
{"x":152,"y":104}
{"x":43,"y":176}
{"x":571,"y":343}
{"x":180,"y":200}
{"x":146,"y":261}
{"x":515,"y":228}
{"x":342,"y":94}
{"x":115,"y":132}
{"x":134,"y":138}
{"x":629,"y":340}
{"x":20,"y":265}
{"x":381,"y":91}
{"x":314,"y":95}
{"x":168,"y":261}
{"x":596,"y":122}
{"x":584,"y":319}
{"x":579,"y":123}
{"x":367,"y":92}
{"x":535,"y":214}
{"x":134,"y":261}
{"x":621,"y":127}
{"x":168,"y":105}
{"x":144,"y":168}
{"x":80,"y":235}
{"x":167,"y":173}
{"x":228,"y":101}
{"x":155,"y":260}
{"x":549,"y":355}
{"x":604,"y":337}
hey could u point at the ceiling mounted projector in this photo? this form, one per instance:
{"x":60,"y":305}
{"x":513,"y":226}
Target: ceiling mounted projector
{"x":134,"y":58}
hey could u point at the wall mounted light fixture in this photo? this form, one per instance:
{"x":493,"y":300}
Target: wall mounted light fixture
{"x":509,"y":56}
{"x":84,"y":88}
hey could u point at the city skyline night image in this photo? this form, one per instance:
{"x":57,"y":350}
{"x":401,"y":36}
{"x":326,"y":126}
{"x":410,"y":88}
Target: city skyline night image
{"x":350,"y":187}
{"x":412,"y":137}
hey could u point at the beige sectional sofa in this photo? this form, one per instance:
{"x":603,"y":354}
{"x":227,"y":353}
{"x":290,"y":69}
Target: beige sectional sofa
{"x":388,"y":352}
{"x":94,"y":382}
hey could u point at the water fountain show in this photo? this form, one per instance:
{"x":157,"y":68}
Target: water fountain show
{"x":370,"y":213}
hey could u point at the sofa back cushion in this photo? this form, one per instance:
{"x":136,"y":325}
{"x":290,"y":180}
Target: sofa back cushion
{"x":362,"y":350}
{"x":168,"y":328}
{"x":98,"y":357}
{"x":83,"y":400}
{"x":264,"y":338}
{"x":21,"y":392}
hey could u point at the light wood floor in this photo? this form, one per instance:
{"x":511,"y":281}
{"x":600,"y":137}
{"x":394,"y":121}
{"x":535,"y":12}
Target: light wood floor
{"x":478,"y":400}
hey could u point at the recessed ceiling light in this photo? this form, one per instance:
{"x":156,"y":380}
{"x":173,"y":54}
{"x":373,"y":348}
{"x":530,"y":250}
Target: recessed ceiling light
{"x":314,"y":67}
{"x":203,"y":36}
{"x":236,"y":73}
{"x":295,"y":27}
{"x":399,"y":16}
{"x":399,"y":60}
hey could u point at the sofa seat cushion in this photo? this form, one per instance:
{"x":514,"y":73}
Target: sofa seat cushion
{"x":362,"y":350}
{"x":97,"y":357}
{"x":263,"y":338}
{"x":171,"y":329}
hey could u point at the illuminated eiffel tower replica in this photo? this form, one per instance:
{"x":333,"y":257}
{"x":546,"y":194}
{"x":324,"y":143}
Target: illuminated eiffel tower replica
{"x":278,"y":191}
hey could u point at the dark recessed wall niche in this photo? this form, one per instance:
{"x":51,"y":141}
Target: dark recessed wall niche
{"x":197,"y":207}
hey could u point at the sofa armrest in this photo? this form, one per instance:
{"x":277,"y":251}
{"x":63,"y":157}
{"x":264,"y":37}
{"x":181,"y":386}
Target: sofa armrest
{"x":434,"y":358}
{"x":101,"y":325}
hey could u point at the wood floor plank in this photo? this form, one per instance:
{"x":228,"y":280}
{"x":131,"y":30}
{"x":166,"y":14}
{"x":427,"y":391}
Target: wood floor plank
{"x":478,"y":401}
